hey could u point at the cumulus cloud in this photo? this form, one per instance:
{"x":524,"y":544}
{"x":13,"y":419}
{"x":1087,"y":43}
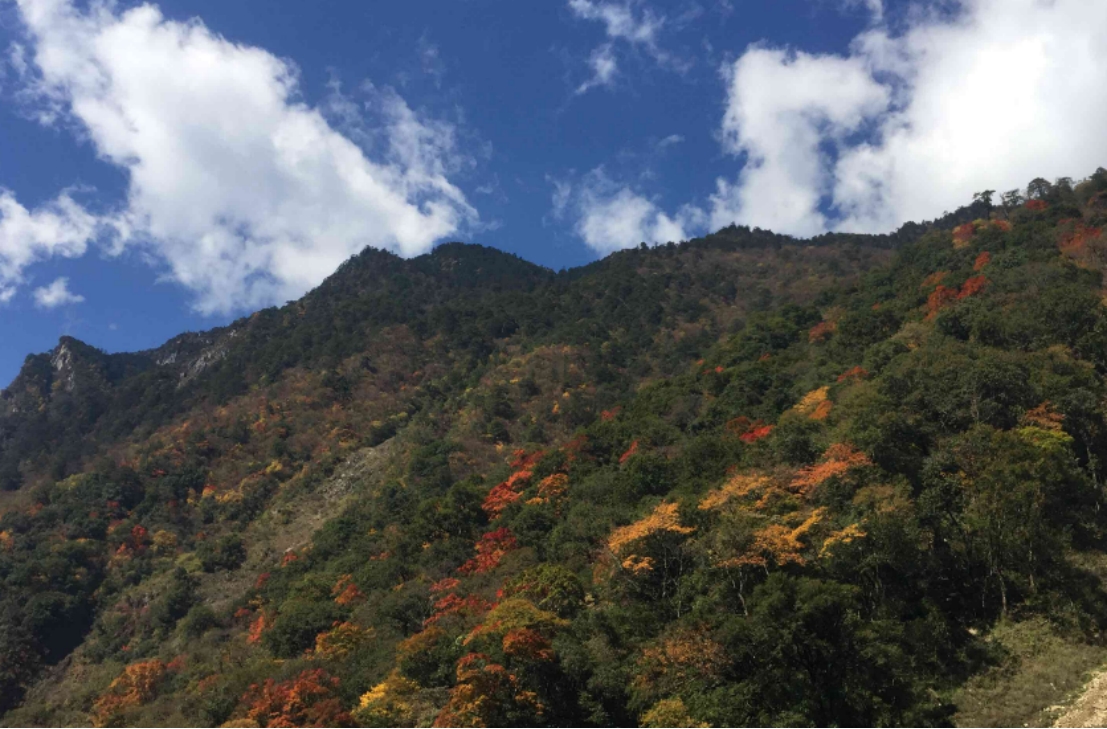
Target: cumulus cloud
{"x":246,"y":194}
{"x":56,"y":294}
{"x":61,"y":227}
{"x":632,"y":23}
{"x":783,"y":107}
{"x":989,"y":94}
{"x":609,"y":216}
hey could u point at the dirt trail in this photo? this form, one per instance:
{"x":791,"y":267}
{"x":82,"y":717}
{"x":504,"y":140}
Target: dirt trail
{"x":1090,"y":709}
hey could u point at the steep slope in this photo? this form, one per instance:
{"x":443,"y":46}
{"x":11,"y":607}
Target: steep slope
{"x":742,"y":480}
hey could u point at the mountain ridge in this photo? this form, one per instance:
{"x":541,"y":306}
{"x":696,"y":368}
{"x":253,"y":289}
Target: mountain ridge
{"x":183,"y":344}
{"x":741,"y":480}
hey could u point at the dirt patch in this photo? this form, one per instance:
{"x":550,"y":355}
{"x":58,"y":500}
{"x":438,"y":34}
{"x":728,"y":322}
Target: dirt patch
{"x":1040,"y":673}
{"x":1090,"y":709}
{"x":289,"y":525}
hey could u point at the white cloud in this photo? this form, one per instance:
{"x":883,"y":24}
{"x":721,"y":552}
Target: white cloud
{"x":631,"y":22}
{"x":246,"y":194}
{"x":609,"y":216}
{"x":604,"y":67}
{"x":782,"y":108}
{"x":670,"y":141}
{"x":56,"y":294}
{"x":990,"y":94}
{"x":620,"y":21}
{"x":61,"y":227}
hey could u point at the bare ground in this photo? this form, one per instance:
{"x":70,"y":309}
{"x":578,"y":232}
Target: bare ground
{"x":1090,"y":708}
{"x":290,"y":525}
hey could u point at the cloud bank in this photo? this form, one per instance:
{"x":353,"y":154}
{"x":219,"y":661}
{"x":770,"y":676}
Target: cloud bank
{"x":919,"y":114}
{"x":992,"y":94}
{"x":245,"y":194}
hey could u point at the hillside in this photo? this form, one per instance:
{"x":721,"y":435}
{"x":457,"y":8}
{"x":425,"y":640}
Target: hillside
{"x":742,"y":480}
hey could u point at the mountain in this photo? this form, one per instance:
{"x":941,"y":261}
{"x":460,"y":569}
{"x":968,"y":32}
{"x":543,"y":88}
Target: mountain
{"x":746,"y":479}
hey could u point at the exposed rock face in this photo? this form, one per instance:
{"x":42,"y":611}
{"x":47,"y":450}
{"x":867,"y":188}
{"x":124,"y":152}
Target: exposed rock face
{"x":190,"y":354}
{"x":61,"y":359}
{"x":72,"y":364}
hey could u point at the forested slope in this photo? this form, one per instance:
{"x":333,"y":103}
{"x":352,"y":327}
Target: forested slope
{"x":741,"y":480}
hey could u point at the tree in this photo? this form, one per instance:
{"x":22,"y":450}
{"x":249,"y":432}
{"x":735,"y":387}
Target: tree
{"x":984,"y":197}
{"x":669,"y":713}
{"x":297,"y":624}
{"x":487,"y":694}
{"x":1012,"y":199}
{"x":1039,"y":189}
{"x":396,"y":701}
{"x":551,"y":587}
{"x":306,"y":700}
{"x":491,"y":548}
{"x":20,"y":657}
{"x":1021,"y":489}
{"x":662,"y":521}
{"x":135,"y":686}
{"x":683,"y":661}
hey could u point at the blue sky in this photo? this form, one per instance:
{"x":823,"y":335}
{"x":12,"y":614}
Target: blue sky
{"x":170,"y":167}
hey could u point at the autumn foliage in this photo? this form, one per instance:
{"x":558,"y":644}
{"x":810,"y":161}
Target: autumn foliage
{"x":487,"y":694}
{"x":815,"y":404}
{"x":748,"y":431}
{"x":391,"y":702}
{"x":677,"y":659}
{"x":972,"y":286}
{"x":551,"y":489}
{"x":939,"y":298}
{"x":933,"y":279}
{"x":135,"y":686}
{"x":258,"y":626}
{"x":452,"y":604}
{"x":491,"y":549}
{"x":822,"y":331}
{"x":850,"y":534}
{"x":346,"y":592}
{"x":341,"y":640}
{"x":854,"y":373}
{"x":962,"y":234}
{"x":629,"y":452}
{"x":942,"y":296}
{"x":665,"y":519}
{"x":306,"y":700}
{"x":508,"y":492}
{"x":838,"y":460}
{"x":737,"y":487}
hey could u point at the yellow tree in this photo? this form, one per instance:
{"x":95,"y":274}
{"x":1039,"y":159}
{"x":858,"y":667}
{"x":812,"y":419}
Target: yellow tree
{"x":652,"y":549}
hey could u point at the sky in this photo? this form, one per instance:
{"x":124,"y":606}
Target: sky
{"x":170,"y":167}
